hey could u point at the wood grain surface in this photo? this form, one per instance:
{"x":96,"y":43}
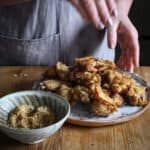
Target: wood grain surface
{"x":133,"y":135}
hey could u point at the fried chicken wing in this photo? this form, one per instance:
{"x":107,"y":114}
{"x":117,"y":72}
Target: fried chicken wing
{"x":107,"y":105}
{"x":81,"y":93}
{"x":67,"y":92}
{"x":122,"y":83}
{"x":59,"y":71}
{"x":116,"y":81}
{"x":103,"y":98}
{"x":50,"y":85}
{"x":74,"y":94}
{"x":62,"y":71}
{"x":84,"y":78}
{"x":99,"y":109}
{"x":64,"y":91}
{"x":117,"y":98}
{"x":137,"y":95}
{"x":61,"y":88}
{"x":92,"y":64}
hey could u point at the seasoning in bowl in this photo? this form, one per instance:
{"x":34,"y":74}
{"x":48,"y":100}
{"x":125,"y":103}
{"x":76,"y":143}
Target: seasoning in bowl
{"x":31,"y":117}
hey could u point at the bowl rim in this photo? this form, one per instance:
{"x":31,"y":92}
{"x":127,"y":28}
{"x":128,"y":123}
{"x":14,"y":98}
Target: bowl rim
{"x":2,"y":99}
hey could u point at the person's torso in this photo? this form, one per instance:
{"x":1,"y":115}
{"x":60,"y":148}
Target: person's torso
{"x":41,"y":32}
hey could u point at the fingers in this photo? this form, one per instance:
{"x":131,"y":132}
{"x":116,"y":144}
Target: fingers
{"x":112,"y":7}
{"x":130,"y":65}
{"x":128,"y":40}
{"x":104,"y":12}
{"x":134,"y":47}
{"x":91,"y":11}
{"x":133,"y":43}
{"x":122,"y":61}
{"x":126,"y":60}
{"x":112,"y":35}
{"x":99,"y":12}
{"x":136,"y":55}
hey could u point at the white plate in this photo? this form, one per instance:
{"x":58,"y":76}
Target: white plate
{"x":80,"y":114}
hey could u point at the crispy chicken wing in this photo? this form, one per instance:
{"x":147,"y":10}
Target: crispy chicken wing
{"x":122,"y":83}
{"x":116,"y":81}
{"x":84,"y":78}
{"x":59,"y":71}
{"x":92,"y":64}
{"x":60,"y":87}
{"x":81,"y":93}
{"x":117,"y":98}
{"x":68,"y":93}
{"x":137,"y":95}
{"x":50,"y":85}
{"x":107,"y":105}
{"x":99,"y":109}
{"x":62,"y":71}
{"x":64,"y":91}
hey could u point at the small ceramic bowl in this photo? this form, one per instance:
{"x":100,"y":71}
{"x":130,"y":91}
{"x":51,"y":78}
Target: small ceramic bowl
{"x":36,"y":98}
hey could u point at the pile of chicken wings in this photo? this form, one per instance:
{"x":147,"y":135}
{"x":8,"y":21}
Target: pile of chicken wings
{"x":95,"y":82}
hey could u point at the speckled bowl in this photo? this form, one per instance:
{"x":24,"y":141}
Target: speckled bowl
{"x":36,"y":98}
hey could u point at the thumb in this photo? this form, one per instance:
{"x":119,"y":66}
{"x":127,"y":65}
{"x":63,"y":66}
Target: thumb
{"x":112,"y":35}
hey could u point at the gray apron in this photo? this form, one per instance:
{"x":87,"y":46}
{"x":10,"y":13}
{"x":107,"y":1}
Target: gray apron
{"x":41,"y":32}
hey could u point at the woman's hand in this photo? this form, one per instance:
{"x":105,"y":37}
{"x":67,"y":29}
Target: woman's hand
{"x":99,"y":12}
{"x":126,"y":34}
{"x":104,"y":13}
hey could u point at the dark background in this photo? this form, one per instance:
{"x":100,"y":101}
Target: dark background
{"x":140,"y":16}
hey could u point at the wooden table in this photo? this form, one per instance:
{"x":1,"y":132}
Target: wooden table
{"x":134,"y":135}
